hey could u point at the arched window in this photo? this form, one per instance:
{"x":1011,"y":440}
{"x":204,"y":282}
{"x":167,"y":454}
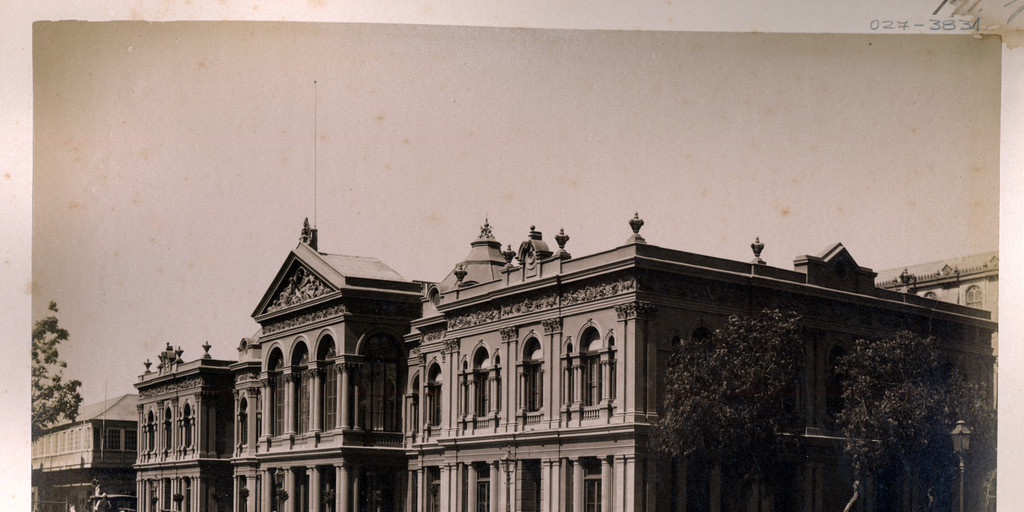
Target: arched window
{"x":243,"y":422}
{"x":834,"y":383}
{"x":151,"y":432}
{"x":974,"y":296}
{"x":167,"y":429}
{"x":569,"y":381}
{"x":533,"y":359}
{"x":497,"y":382}
{"x":328,"y":385}
{"x":277,"y":393}
{"x":186,"y":425}
{"x":434,"y":396}
{"x":300,"y":358}
{"x":481,"y":395}
{"x":378,"y":384}
{"x":591,"y":365}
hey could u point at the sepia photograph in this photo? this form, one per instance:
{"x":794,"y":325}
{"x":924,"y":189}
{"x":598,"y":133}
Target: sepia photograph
{"x":370,"y":267}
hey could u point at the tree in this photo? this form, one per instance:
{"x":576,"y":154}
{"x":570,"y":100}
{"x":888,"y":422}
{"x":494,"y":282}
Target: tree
{"x":902,"y":396}
{"x":53,"y":398}
{"x":729,"y":397}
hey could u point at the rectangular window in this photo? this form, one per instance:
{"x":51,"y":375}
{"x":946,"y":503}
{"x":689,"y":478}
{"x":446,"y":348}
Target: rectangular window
{"x":530,"y":485}
{"x":482,"y":404}
{"x":483,"y":497}
{"x":303,"y":404}
{"x":112,"y":436}
{"x":534,"y":388}
{"x":131,"y":440}
{"x":592,"y":485}
{"x":434,"y":489}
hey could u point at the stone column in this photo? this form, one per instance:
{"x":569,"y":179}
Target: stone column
{"x":314,"y":488}
{"x":577,"y":380}
{"x":606,"y":484}
{"x":250,"y":501}
{"x":421,"y":502}
{"x":577,"y":485}
{"x":252,"y":398}
{"x":343,"y":396}
{"x":315,"y":398}
{"x":496,"y":480}
{"x":265,"y":491}
{"x":471,"y":484}
{"x":289,"y":404}
{"x":410,"y":478}
{"x":342,"y":497}
{"x":356,"y":392}
{"x":356,"y":482}
{"x":268,"y":407}
{"x":289,"y":487}
{"x":606,"y":382}
{"x":631,"y":490}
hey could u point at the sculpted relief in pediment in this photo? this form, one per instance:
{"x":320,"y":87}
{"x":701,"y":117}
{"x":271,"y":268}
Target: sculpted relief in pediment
{"x":299,"y":287}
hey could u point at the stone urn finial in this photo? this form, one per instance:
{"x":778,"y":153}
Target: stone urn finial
{"x":460,"y":273}
{"x":906,"y":277}
{"x":508,"y":254}
{"x":206,"y":349}
{"x":561,"y":238}
{"x":147,"y":364}
{"x":635,"y":224}
{"x":757,"y":247}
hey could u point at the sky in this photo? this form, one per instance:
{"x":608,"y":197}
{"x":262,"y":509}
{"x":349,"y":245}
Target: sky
{"x":174,"y":162}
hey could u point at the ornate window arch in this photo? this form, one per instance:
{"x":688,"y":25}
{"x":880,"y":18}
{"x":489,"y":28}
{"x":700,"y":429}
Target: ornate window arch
{"x":481,"y":393}
{"x":275,"y":370}
{"x":434,"y":383}
{"x":974,"y":296}
{"x":187,"y":422}
{"x":168,"y":429}
{"x":533,"y":381}
{"x":301,"y":388}
{"x":328,"y":383}
{"x":243,"y":421}
{"x":590,"y":362}
{"x":151,"y":431}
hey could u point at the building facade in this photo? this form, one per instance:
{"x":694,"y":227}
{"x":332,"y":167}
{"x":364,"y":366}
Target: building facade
{"x":185,"y":434}
{"x":529,"y":379}
{"x":76,"y":459}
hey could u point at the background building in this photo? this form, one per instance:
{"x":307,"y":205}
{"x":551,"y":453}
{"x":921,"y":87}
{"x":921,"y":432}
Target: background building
{"x":73,"y":458}
{"x":524,"y":379}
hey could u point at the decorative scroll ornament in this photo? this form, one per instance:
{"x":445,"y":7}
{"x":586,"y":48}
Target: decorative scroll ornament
{"x":636,"y":309}
{"x":247,"y":376}
{"x":509,"y":333}
{"x":598,"y":291}
{"x":552,"y":325}
{"x":300,"y":287}
{"x":288,"y":323}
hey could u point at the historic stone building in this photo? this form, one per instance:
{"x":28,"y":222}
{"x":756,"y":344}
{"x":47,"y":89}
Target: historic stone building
{"x":523,"y":380}
{"x":185,"y":424}
{"x":74,"y":460}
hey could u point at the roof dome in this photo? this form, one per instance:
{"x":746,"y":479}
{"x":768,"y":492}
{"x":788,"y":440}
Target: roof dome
{"x":483,"y":263}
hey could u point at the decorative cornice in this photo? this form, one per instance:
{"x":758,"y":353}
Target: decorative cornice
{"x":189,"y":383}
{"x":302,"y":286}
{"x":598,"y":291}
{"x":552,"y":325}
{"x":312,"y":316}
{"x":509,"y":333}
{"x":635,"y":309}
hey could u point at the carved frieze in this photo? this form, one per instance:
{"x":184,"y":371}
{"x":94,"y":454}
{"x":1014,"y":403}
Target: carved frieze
{"x":552,"y":325}
{"x":636,"y":309}
{"x":529,"y":304}
{"x":301,"y":286}
{"x":189,"y":383}
{"x":598,"y":291}
{"x":306,"y":318}
{"x":509,"y":333}
{"x":472,"y":318}
{"x":432,"y":334}
{"x":246,"y":376}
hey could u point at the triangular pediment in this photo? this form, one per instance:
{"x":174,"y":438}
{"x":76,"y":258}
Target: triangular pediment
{"x":837,"y":255}
{"x":300,"y":280}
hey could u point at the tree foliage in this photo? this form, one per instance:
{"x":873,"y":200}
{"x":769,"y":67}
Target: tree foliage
{"x":53,"y":398}
{"x":902,"y":397}
{"x":726,"y":396}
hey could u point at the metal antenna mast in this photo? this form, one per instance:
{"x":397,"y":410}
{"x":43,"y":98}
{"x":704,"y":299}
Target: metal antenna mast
{"x":314,"y":153}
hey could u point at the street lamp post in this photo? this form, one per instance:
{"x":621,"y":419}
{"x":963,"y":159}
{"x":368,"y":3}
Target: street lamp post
{"x":961,"y":437}
{"x":510,"y":466}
